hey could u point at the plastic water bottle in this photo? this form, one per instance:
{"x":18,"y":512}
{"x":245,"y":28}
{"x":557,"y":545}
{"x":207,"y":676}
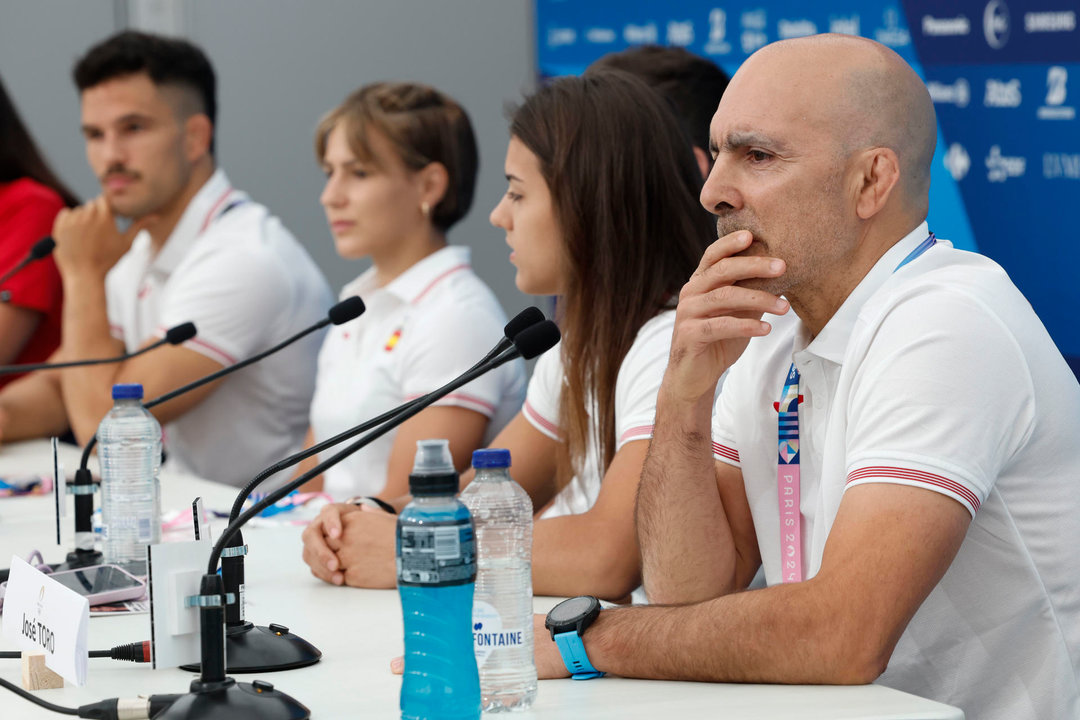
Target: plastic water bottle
{"x":436,"y":573}
{"x":129,"y":448}
{"x":502,"y":607}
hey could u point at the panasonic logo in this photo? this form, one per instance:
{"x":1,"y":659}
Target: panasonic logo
{"x":944,"y":27}
{"x":1050,"y":21}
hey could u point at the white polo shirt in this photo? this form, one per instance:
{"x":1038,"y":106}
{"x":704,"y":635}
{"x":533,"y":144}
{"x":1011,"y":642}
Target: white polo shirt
{"x":636,"y":387}
{"x":938,"y":376}
{"x":237,"y":273}
{"x":423,"y":329}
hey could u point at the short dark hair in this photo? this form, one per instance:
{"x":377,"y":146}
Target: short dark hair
{"x":168,"y":61}
{"x":692,"y":84}
{"x":423,"y":125}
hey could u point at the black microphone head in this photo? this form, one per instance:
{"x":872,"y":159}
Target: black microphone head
{"x":42,"y":248}
{"x":539,"y":338}
{"x":180,"y":334}
{"x":346,"y":310}
{"x":524,"y":319}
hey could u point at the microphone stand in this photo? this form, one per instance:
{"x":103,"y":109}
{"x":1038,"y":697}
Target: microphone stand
{"x":214,"y":695}
{"x":254,"y":648}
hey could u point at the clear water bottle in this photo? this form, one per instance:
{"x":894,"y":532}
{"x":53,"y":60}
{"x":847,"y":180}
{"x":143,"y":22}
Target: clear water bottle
{"x":129,"y":449}
{"x":436,"y":573}
{"x":502,"y":606}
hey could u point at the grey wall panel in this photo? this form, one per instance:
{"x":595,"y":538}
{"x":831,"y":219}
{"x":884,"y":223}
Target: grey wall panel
{"x":281,"y":64}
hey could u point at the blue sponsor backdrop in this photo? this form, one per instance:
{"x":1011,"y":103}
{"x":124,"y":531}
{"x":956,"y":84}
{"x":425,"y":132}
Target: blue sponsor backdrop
{"x":1005,"y":79}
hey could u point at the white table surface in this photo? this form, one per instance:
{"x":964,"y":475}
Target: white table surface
{"x":359,"y":631}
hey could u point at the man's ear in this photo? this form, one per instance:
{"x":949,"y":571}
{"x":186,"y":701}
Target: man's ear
{"x":198,"y":133}
{"x":878,"y":175}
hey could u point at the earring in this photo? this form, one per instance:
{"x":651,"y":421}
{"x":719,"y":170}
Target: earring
{"x":425,"y":208}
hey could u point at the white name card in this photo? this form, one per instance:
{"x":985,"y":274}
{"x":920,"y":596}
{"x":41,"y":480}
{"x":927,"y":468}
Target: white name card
{"x":41,"y":615}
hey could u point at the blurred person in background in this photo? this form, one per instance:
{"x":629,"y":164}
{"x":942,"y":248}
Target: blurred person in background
{"x":31,"y":195}
{"x":400,"y":161}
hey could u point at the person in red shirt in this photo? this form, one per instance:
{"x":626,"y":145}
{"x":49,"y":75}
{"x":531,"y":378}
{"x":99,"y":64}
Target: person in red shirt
{"x":30,"y":197}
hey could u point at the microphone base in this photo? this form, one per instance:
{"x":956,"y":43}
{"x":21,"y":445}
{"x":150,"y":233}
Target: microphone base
{"x":81,"y":558}
{"x":256,"y":649}
{"x":230,"y":700}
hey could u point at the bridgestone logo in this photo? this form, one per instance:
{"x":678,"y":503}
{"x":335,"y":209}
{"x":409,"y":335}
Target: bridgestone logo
{"x":1050,"y":21}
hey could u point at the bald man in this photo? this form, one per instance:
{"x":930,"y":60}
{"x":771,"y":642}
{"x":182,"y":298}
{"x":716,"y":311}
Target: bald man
{"x":930,"y":544}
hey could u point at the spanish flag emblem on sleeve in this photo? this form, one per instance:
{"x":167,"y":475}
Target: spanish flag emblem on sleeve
{"x":393,"y":340}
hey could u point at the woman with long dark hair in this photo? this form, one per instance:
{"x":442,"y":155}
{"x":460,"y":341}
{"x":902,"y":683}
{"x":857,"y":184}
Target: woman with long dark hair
{"x":30,"y":197}
{"x":601,"y":212}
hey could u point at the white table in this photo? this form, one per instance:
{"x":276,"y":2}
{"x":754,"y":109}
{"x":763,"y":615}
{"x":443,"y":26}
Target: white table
{"x":359,"y":631}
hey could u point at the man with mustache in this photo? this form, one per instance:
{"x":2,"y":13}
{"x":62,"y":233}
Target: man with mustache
{"x":196,"y":249}
{"x":895,"y":445}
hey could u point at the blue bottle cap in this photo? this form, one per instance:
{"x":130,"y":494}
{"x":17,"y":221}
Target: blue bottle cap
{"x":491,"y":458}
{"x":127,"y":391}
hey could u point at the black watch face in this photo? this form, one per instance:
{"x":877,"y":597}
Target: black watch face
{"x":570,"y":610}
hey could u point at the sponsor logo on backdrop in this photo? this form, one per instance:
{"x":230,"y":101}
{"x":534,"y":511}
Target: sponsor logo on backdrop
{"x":1061,"y":166}
{"x":1036,"y":22}
{"x":557,"y":37}
{"x":600,"y":36}
{"x":717,"y":44}
{"x":795,"y":28}
{"x":680,"y":32}
{"x":957,"y":161}
{"x":753,"y":36}
{"x":1000,"y":168}
{"x":845,"y":25}
{"x":641,"y":34}
{"x":996,"y":24}
{"x":1057,"y":79}
{"x":1002,"y":93}
{"x":892,"y":34}
{"x":945,"y":27}
{"x":958,"y":93}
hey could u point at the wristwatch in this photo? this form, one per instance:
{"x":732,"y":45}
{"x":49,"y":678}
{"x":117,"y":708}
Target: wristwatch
{"x":372,"y":502}
{"x":567,"y":621}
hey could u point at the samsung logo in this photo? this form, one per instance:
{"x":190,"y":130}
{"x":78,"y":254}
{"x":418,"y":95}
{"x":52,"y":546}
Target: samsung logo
{"x":958,"y":93}
{"x":1002,"y":93}
{"x":943,"y":27}
{"x":1050,"y":21}
{"x":640,"y":34}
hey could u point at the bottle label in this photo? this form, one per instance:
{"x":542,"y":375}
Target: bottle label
{"x":489,"y":634}
{"x":436,"y":554}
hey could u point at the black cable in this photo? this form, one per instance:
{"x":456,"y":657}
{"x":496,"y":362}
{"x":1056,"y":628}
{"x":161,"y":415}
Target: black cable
{"x":138,"y":652}
{"x":38,"y":701}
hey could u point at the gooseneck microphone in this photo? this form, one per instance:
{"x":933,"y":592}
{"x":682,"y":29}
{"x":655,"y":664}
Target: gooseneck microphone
{"x":256,"y":648}
{"x":525,"y":319}
{"x":215,"y":695}
{"x":339,"y":314}
{"x":41,"y":249}
{"x":173,"y":336}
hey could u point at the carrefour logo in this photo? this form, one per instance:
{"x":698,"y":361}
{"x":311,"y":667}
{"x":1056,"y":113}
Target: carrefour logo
{"x":996,"y":24}
{"x":957,"y":161}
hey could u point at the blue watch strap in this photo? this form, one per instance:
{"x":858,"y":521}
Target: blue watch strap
{"x":574,"y":656}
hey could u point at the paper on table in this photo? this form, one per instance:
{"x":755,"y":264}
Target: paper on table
{"x":41,"y":615}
